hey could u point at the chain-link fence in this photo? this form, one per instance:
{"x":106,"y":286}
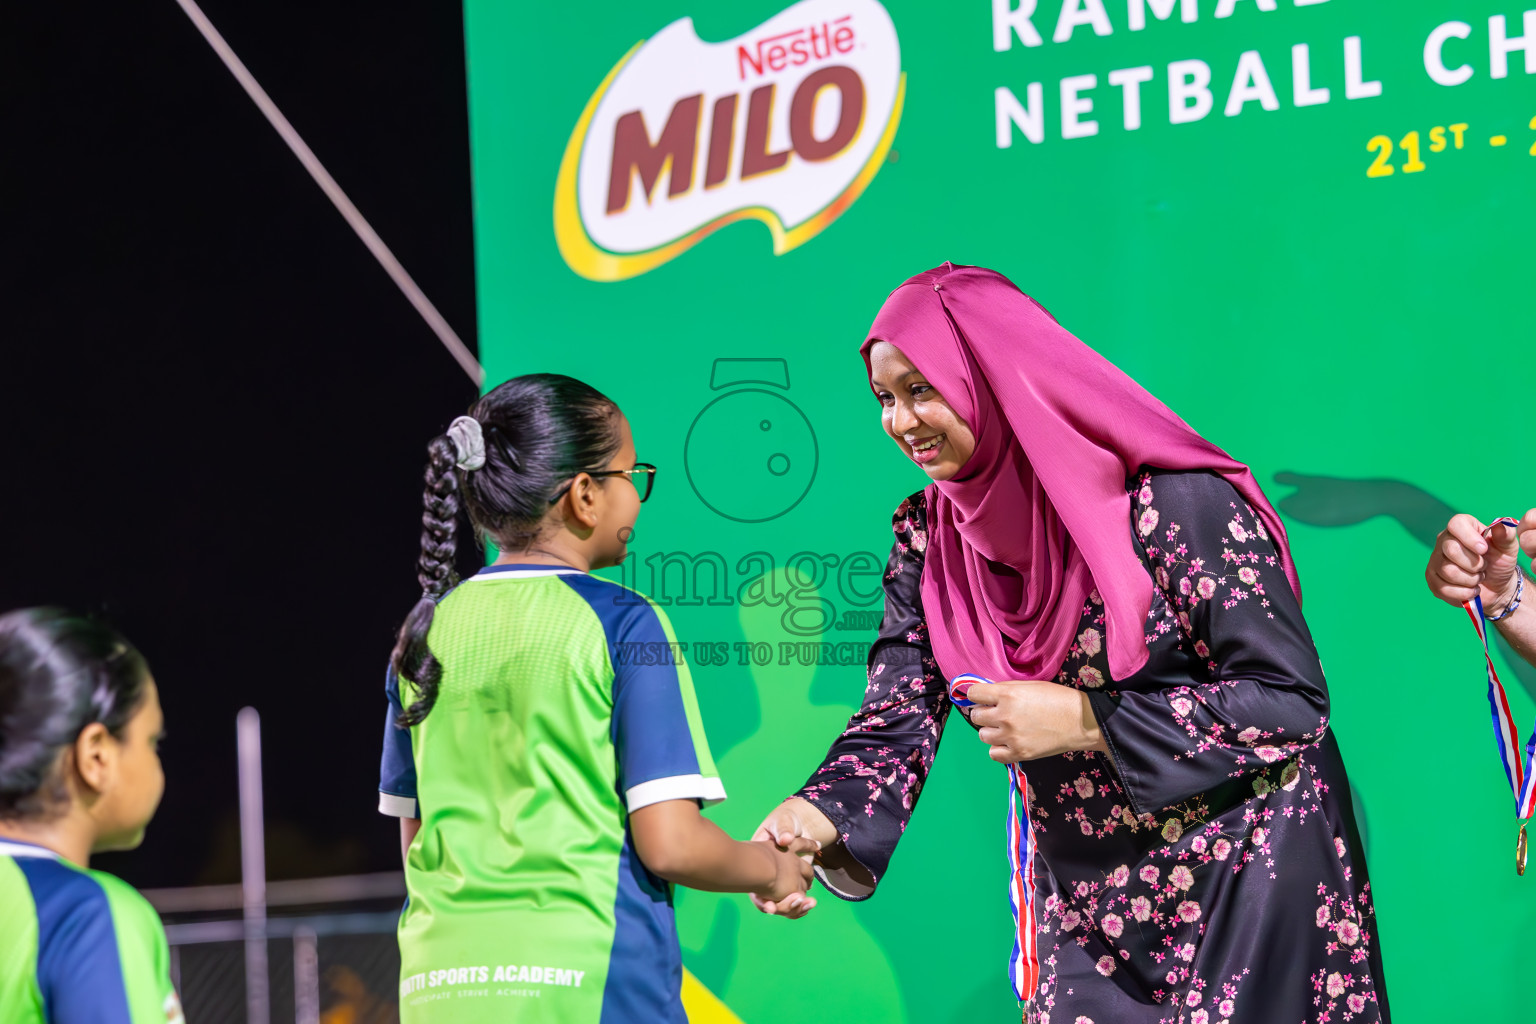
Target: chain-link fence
{"x":330,"y":945}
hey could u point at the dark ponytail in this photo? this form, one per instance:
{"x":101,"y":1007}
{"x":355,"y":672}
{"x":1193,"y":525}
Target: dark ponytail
{"x":58,"y":674}
{"x":539,"y":430}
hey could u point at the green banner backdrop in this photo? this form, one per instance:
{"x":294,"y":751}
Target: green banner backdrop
{"x":1304,"y":224}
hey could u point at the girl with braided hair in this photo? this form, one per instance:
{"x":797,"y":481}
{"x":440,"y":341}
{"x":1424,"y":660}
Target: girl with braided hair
{"x":543,"y":747}
{"x":80,"y":724}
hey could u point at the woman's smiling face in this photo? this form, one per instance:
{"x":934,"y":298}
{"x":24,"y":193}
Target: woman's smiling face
{"x":915,"y":415}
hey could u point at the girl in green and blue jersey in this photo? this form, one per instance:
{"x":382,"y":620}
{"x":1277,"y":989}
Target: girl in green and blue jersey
{"x":543,"y":747}
{"x":79,"y":773}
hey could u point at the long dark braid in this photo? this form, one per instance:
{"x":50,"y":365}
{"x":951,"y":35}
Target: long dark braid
{"x":539,"y":430}
{"x":412,"y":659}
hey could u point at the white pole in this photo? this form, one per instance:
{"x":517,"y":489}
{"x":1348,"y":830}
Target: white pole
{"x":253,"y":867}
{"x":306,"y":976}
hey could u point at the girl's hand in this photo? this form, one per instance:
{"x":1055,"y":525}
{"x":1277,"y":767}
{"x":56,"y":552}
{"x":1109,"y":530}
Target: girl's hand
{"x":793,"y":877}
{"x":794,"y":820}
{"x":1026,"y":719}
{"x":1464,"y":562}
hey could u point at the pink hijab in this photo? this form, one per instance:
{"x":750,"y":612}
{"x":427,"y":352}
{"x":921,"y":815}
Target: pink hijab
{"x":1039,"y":515}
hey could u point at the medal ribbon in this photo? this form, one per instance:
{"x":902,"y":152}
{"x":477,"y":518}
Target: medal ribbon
{"x":1517,"y":769}
{"x":1024,"y":963}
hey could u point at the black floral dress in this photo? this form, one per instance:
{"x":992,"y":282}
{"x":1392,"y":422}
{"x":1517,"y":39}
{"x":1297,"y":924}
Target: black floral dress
{"x":1208,"y":869}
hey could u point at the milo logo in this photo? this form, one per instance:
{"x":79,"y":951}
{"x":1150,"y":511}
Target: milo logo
{"x":786,"y":124}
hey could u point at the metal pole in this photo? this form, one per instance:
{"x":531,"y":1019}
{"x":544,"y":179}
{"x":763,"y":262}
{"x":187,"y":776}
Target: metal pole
{"x":306,"y":976}
{"x":253,"y":868}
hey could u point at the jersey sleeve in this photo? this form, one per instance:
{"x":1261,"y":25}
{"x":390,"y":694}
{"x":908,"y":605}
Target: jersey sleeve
{"x":657,"y":731}
{"x":101,"y":956}
{"x":144,"y":954}
{"x":397,"y":765}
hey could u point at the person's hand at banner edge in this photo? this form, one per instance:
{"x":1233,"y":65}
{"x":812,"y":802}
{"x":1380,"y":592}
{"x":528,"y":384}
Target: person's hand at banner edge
{"x":1468,"y":559}
{"x":1026,"y":719}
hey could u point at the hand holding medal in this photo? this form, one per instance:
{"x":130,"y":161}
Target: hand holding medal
{"x":1463,"y":564}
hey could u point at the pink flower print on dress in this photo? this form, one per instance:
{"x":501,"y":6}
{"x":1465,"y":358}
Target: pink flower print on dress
{"x":1172,"y":830}
{"x":1200,"y":1017}
{"x":1247,"y":575}
{"x":1187,"y":952}
{"x":1338,"y":844}
{"x":1347,"y":931}
{"x":1197,"y":844}
{"x":919,"y":540}
{"x":1113,"y":925}
{"x":1172,"y":978}
{"x":1120,"y":875}
{"x":1141,"y":908}
{"x":1105,"y":966}
{"x":1260,"y":837}
{"x":1090,"y":677}
{"x":1084,"y":786}
{"x":1161,"y":576}
{"x":1220,"y":848}
{"x":1070,"y":920}
{"x":1356,"y":1003}
{"x":1127,"y":817}
{"x":1323,"y":916}
{"x":1189,"y":911}
{"x":1335,"y":984}
{"x":1268,"y":754}
{"x":1181,"y":877}
{"x":1145,"y":495}
{"x":1148,"y":521}
{"x":1092,"y":642}
{"x":1201,"y":649}
{"x":1236,"y":529}
{"x":1185,"y":586}
{"x":1182,"y":706}
{"x":1263,"y":533}
{"x":1193,"y":999}
{"x":1086,"y":827}
{"x":1081,"y":889}
{"x":1184,"y":621}
{"x":1093,"y":596}
{"x":1226,"y":1008}
{"x":1083,"y":1020}
{"x":1149,"y":874}
{"x":1248,"y":735}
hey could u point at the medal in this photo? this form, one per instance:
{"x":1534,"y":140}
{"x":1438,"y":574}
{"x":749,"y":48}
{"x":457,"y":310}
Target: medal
{"x":1517,"y":769}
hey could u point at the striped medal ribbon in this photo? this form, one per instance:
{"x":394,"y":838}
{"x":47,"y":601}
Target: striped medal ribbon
{"x":1517,"y":769}
{"x":1024,"y":963}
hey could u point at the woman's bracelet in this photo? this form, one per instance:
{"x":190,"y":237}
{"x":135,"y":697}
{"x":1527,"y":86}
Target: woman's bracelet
{"x":1515,"y":603}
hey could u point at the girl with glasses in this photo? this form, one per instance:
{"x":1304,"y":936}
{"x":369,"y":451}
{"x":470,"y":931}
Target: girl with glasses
{"x":543,"y":747}
{"x":80,"y":728}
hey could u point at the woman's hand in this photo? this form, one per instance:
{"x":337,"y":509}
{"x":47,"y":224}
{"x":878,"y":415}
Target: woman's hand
{"x":1026,"y":719}
{"x":1464,"y":562}
{"x":794,"y":819}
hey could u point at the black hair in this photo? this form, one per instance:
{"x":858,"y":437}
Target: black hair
{"x":58,"y":674}
{"x":540,"y":429}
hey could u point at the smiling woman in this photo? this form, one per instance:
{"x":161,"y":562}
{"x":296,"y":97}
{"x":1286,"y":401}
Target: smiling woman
{"x":1158,"y":701}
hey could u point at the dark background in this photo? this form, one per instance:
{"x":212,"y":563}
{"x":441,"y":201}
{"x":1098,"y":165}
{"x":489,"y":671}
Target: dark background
{"x":214,"y":404}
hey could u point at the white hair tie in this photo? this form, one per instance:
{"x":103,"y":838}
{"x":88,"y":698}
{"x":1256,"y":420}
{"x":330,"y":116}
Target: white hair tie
{"x":468,"y":441}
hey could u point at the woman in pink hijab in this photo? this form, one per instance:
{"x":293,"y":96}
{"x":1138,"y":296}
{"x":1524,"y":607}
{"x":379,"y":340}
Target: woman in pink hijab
{"x":1183,"y":846}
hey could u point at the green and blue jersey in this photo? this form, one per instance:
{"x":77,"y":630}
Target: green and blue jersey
{"x":565,"y":704}
{"x":78,"y":946}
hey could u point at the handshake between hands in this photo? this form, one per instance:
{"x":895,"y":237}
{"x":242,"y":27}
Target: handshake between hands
{"x":1472,"y":559}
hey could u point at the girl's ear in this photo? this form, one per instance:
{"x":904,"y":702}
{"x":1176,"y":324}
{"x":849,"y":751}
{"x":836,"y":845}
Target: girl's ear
{"x":95,"y":753}
{"x":583,"y":502}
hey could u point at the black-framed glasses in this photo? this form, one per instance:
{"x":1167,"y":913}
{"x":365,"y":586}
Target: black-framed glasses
{"x":642,"y":470}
